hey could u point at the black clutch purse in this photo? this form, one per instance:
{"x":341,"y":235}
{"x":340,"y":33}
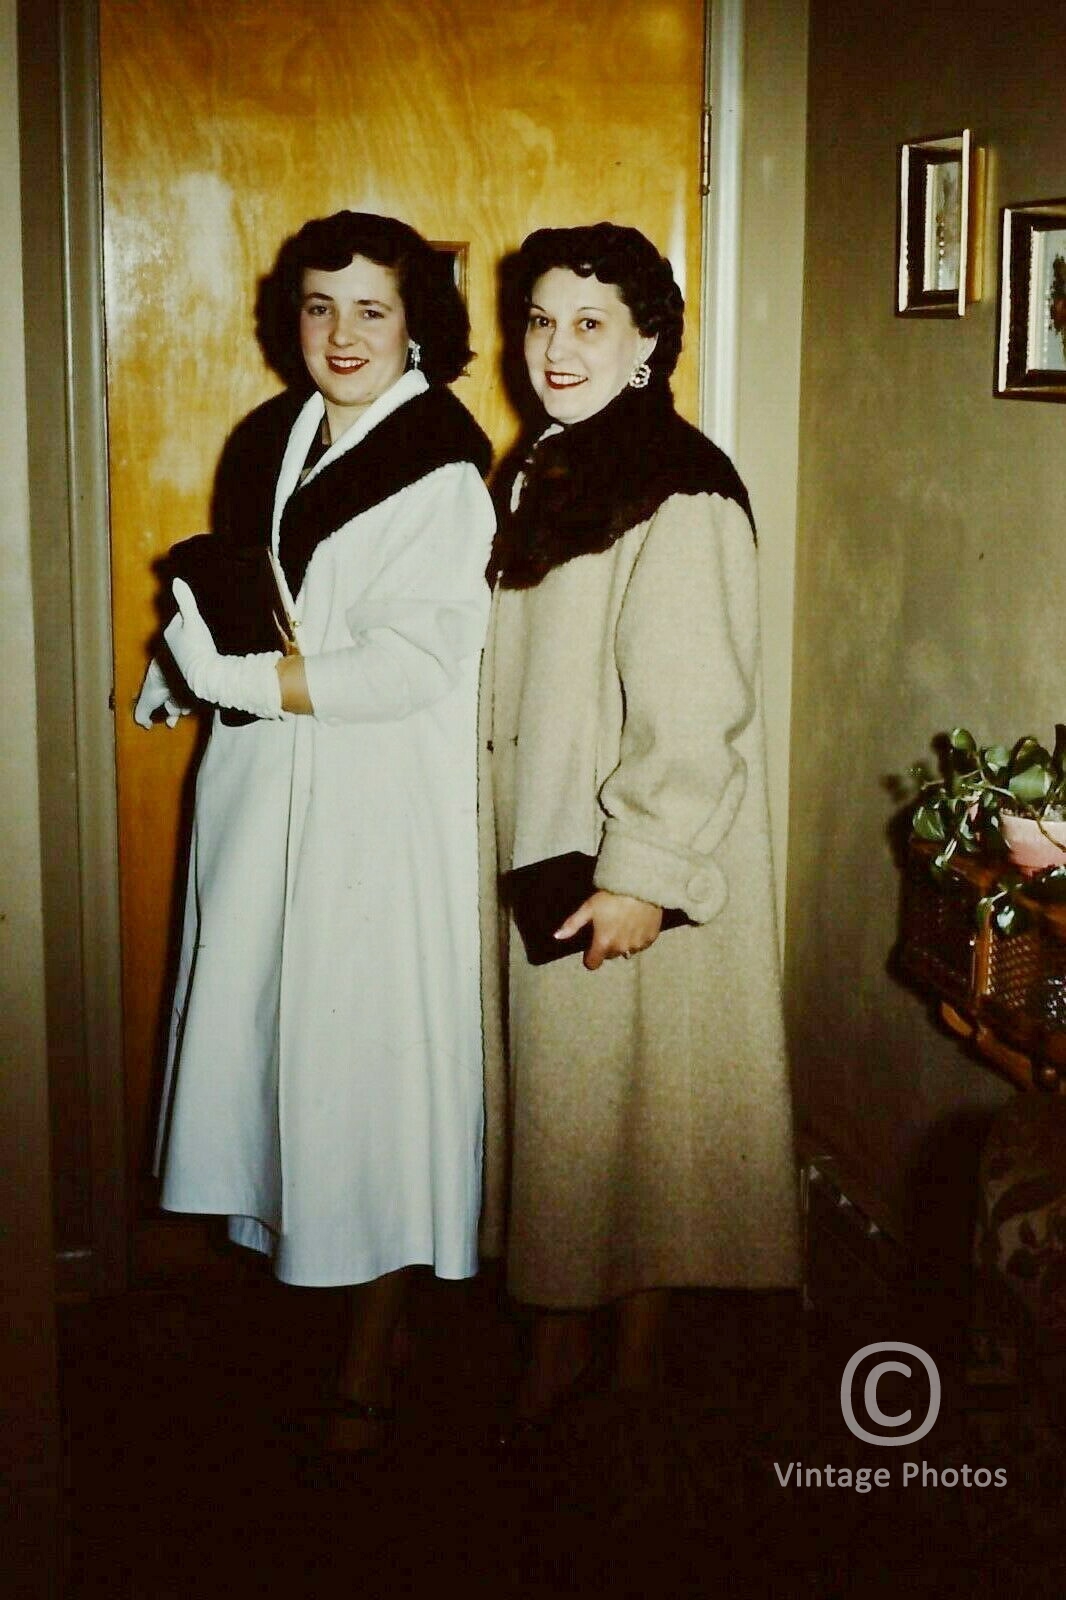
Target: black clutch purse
{"x":236,"y":592}
{"x":542,"y":896}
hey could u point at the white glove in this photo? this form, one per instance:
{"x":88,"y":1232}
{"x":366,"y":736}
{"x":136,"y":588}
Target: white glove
{"x":243,"y":683}
{"x":156,"y":696}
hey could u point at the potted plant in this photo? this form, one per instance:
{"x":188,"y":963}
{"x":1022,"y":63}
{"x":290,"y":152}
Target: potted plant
{"x":1002,"y":804}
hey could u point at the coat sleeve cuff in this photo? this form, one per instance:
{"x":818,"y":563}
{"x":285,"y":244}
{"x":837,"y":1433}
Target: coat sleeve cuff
{"x":663,"y":877}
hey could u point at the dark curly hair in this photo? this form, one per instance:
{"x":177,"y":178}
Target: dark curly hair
{"x":433,"y":307}
{"x":624,"y":257}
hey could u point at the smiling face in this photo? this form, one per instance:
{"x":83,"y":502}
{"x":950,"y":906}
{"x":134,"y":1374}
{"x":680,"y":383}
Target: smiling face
{"x":353,"y":336}
{"x":581,"y":344}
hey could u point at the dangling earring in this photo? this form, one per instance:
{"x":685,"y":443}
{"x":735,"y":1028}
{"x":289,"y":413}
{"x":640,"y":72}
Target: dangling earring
{"x":414,"y":353}
{"x":641,"y":376}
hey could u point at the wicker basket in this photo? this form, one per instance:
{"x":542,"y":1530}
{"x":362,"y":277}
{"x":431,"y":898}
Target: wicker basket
{"x":1006,"y":992}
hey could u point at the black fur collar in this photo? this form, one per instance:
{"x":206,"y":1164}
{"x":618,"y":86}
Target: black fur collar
{"x":431,"y":430}
{"x":588,"y":485}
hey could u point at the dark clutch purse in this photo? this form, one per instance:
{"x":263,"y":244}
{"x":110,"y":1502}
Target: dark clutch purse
{"x":236,"y":591}
{"x":542,"y":896}
{"x":237,"y":594}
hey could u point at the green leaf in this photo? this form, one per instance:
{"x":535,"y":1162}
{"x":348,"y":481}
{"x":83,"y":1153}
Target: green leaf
{"x":1026,"y":751}
{"x":963,"y":740}
{"x":927,"y":824}
{"x":1011,"y":918}
{"x":1032,"y":783}
{"x":939,"y":864}
{"x":997,"y":758}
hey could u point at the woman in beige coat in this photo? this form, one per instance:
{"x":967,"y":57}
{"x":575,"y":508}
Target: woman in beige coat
{"x":638,"y":1131}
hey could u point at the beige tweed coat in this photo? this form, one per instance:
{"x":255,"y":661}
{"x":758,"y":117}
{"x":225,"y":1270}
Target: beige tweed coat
{"x":638,"y":1127}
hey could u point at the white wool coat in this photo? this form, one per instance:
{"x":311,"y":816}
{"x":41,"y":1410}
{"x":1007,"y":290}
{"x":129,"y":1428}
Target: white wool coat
{"x":324,"y":1079}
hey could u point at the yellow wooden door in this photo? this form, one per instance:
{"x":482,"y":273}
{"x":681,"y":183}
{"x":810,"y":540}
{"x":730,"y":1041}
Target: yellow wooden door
{"x":226,"y":124}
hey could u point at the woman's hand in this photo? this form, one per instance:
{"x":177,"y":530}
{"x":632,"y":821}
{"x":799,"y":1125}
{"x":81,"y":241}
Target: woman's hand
{"x":157,"y":695}
{"x":244,"y":683}
{"x":621,"y":925}
{"x":292,"y":676}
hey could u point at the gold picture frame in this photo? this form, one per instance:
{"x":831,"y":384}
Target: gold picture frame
{"x":939,"y":233}
{"x":1031,"y":352}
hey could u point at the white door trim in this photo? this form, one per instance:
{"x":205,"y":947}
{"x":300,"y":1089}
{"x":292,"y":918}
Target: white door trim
{"x":720,"y":289}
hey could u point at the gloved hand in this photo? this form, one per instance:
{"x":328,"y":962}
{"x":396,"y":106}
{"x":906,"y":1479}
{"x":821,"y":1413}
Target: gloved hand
{"x":243,"y":683}
{"x":155,"y":696}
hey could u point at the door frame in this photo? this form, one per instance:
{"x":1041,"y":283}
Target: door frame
{"x":94,"y":697}
{"x":723,"y":79}
{"x":86,"y":508}
{"x":31,"y":1445}
{"x":63,"y":257}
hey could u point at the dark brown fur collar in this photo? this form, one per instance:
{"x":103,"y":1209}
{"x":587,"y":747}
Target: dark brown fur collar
{"x":431,"y":430}
{"x":588,"y":485}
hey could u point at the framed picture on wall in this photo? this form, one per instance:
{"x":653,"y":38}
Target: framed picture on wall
{"x":454,"y":258}
{"x":941,"y":200}
{"x":1031,"y":358}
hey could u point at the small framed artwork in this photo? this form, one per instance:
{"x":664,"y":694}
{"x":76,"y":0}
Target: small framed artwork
{"x":454,"y":258}
{"x":1031,"y":359}
{"x":941,"y":201}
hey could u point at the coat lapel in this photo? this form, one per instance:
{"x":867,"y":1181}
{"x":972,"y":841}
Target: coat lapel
{"x":408,"y":433}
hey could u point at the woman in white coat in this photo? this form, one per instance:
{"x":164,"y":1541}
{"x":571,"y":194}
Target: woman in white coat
{"x":324,"y":1080}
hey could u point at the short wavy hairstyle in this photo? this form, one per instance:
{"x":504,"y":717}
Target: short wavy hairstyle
{"x":624,"y":257}
{"x":433,"y":307}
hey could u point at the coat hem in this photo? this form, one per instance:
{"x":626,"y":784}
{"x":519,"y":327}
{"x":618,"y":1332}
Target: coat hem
{"x":790,"y":1279}
{"x":254,"y":1234}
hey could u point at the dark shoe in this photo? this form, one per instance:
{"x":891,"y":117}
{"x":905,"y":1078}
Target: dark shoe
{"x":325,"y":1464}
{"x":378,"y":1417}
{"x":523,"y":1437}
{"x":313,"y":1433}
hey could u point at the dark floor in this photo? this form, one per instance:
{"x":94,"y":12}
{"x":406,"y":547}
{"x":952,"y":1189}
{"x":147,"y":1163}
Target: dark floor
{"x":189,"y":1476}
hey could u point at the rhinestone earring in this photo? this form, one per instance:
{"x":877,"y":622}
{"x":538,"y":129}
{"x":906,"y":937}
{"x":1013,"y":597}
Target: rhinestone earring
{"x":414,"y":353}
{"x":641,"y":376}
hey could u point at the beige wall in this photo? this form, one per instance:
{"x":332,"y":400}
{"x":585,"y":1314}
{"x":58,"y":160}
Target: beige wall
{"x":28,"y":1426}
{"x":928,"y":588}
